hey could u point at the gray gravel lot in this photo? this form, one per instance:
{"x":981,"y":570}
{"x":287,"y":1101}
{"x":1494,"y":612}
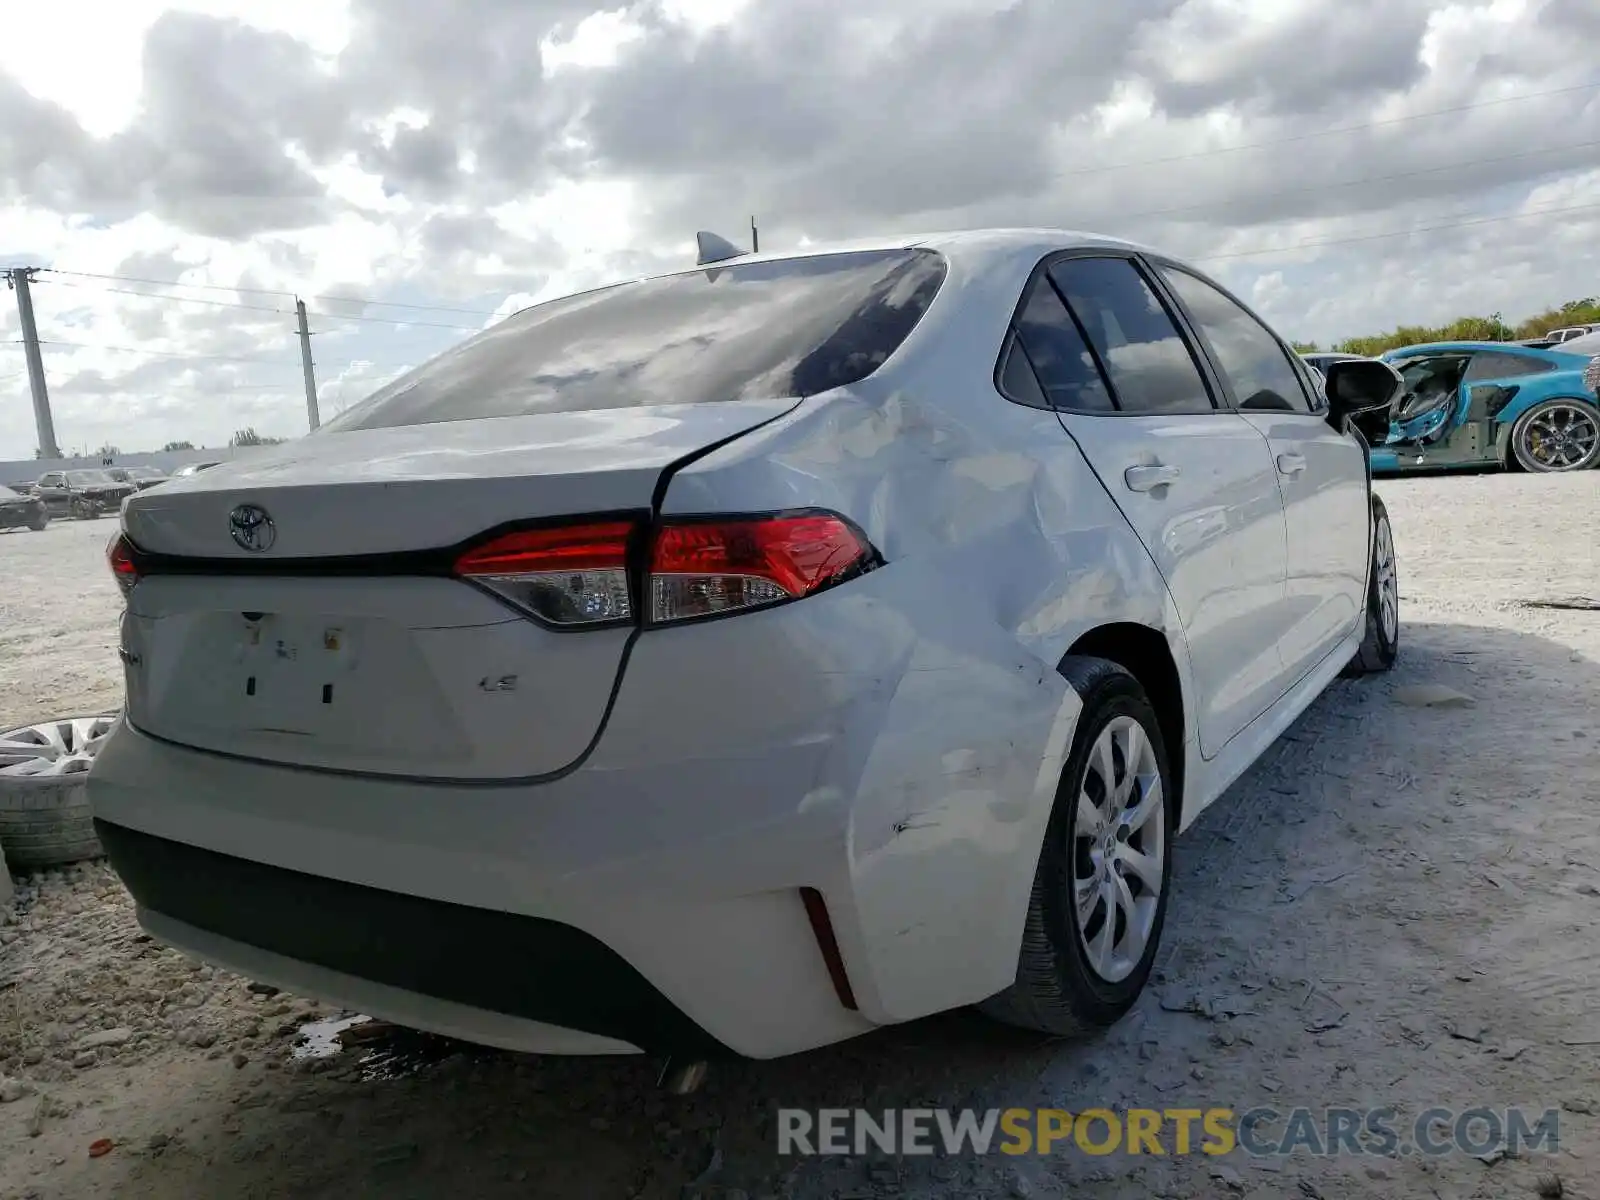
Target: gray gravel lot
{"x":1395,"y":907}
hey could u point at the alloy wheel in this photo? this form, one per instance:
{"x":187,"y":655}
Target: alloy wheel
{"x":1388,"y":580}
{"x":1118,"y":849}
{"x":1561,"y":437}
{"x":64,"y":747}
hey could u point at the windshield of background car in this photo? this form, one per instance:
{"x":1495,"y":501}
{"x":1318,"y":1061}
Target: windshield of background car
{"x":752,"y":331}
{"x":89,"y":478}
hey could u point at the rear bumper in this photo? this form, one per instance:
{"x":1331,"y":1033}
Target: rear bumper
{"x":903,"y":770}
{"x":512,"y":916}
{"x":508,"y":965}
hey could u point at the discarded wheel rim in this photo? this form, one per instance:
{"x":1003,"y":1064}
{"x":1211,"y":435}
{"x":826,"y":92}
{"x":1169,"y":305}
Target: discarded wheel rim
{"x":66,"y":746}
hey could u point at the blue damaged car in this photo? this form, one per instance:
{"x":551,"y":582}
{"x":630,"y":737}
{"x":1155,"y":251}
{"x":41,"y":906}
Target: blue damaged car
{"x":1502,"y":404}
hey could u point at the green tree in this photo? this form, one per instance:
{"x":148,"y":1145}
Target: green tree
{"x":1492,"y":328}
{"x":178,"y":446}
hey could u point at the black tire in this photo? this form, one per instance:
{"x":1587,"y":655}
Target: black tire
{"x":1380,"y":643}
{"x":38,"y":524}
{"x":1056,"y":990}
{"x":1522,"y":453}
{"x":45,"y":821}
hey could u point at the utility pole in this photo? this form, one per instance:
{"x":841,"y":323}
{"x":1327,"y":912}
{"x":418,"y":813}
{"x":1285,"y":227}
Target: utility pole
{"x":305,"y":365}
{"x":18,"y":278}
{"x":755,"y":238}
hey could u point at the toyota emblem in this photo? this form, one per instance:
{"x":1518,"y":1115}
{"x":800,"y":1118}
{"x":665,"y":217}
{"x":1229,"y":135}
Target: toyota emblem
{"x":252,"y":528}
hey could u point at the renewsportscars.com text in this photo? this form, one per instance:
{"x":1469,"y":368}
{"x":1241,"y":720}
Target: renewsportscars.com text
{"x":1258,"y":1132}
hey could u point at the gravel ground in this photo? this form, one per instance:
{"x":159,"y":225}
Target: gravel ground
{"x":1396,"y":906}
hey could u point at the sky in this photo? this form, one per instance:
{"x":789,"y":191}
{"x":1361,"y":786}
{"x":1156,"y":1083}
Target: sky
{"x":413,"y":169}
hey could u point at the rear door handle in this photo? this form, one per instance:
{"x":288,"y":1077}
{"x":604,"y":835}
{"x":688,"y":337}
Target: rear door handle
{"x":1291,"y":464}
{"x":1147,"y":479}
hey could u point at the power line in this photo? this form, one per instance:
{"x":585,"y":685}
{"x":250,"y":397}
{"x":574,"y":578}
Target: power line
{"x":247,"y":291}
{"x":408,"y":321}
{"x":1366,"y":179}
{"x":398,"y":321}
{"x":1282,"y":249}
{"x":152,"y":353}
{"x":204,"y":287}
{"x":174,"y":299}
{"x":1400,"y":233}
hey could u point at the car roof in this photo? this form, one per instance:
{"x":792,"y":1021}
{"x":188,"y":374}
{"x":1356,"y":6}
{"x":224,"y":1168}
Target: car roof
{"x":968,"y":244}
{"x":1468,"y":347}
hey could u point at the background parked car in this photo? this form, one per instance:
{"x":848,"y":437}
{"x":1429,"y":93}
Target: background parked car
{"x":18,"y":511}
{"x":82,"y":494}
{"x":1494,"y":403}
{"x":140,"y":477}
{"x":1566,"y":334}
{"x":1322,"y":361}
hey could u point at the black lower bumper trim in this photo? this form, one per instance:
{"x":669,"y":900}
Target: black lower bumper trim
{"x":504,"y":963}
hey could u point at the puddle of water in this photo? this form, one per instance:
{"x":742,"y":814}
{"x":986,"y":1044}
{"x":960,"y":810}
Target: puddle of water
{"x":382,"y":1051}
{"x":320,"y":1039}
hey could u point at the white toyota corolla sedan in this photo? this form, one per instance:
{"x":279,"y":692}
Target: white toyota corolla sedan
{"x":744,"y":658}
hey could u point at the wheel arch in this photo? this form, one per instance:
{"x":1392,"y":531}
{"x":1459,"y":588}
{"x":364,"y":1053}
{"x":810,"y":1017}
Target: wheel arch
{"x":1146,"y":655}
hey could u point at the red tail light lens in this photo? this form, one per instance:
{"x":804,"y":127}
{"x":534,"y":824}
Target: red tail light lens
{"x":571,"y":576}
{"x":120,"y":555}
{"x":577,"y":576}
{"x":703,"y":568}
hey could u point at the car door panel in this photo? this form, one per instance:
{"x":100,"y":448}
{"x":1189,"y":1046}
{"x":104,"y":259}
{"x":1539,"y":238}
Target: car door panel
{"x":1325,"y":506}
{"x":1320,"y":473}
{"x":1195,"y":483}
{"x":1217,"y":534}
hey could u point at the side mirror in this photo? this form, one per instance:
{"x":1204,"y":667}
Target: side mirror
{"x":1363,"y":393}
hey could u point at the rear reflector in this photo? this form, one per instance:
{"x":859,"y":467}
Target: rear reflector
{"x":570,"y":576}
{"x":828,"y":943}
{"x":577,"y":576}
{"x":119,"y":553}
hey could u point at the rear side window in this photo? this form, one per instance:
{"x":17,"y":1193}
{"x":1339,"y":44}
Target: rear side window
{"x":1248,"y":355}
{"x":1488,"y":364}
{"x":753,"y":331}
{"x":1151,"y":367}
{"x":1061,"y":359}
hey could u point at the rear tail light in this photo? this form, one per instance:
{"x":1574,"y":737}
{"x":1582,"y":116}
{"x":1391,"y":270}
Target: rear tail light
{"x":120,"y":555}
{"x":574,"y":575}
{"x":703,"y":568}
{"x":578,"y":576}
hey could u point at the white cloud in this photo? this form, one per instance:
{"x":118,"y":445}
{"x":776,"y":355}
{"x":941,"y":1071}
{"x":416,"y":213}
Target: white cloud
{"x":458,"y":167}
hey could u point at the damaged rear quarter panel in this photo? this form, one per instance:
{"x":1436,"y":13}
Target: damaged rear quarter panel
{"x":1002,"y":549}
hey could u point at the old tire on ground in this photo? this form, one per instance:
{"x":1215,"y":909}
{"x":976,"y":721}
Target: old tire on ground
{"x":1100,"y":889}
{"x":38,"y":524}
{"x":1557,"y":435}
{"x":1380,"y":638}
{"x":44,"y":810}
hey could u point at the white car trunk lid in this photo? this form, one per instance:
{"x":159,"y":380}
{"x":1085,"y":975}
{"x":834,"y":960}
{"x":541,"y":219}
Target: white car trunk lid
{"x":344,"y":644}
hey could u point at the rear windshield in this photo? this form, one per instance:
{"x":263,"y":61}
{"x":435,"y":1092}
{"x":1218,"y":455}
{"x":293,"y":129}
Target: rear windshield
{"x":752,"y":331}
